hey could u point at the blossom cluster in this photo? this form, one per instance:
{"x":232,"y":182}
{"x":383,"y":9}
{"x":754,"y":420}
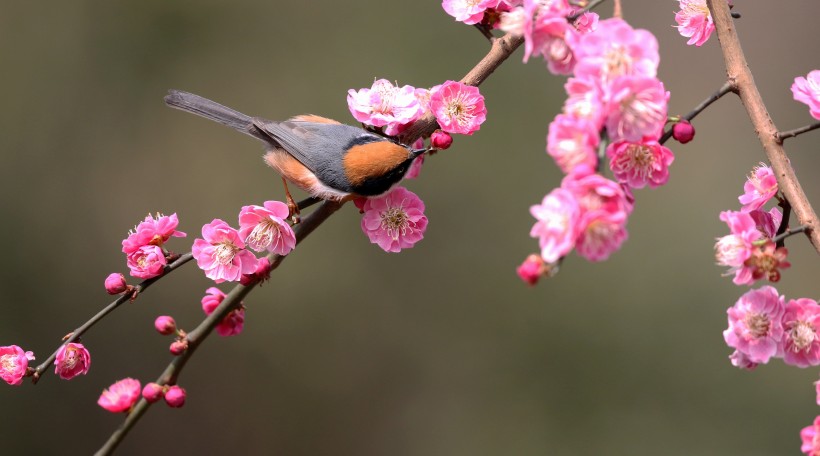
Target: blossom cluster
{"x":71,"y":359}
{"x":144,"y":246}
{"x":749,"y":250}
{"x":121,"y":396}
{"x":763,"y":325}
{"x":615,"y":110}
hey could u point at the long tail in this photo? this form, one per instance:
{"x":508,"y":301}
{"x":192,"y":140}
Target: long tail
{"x":212,"y":110}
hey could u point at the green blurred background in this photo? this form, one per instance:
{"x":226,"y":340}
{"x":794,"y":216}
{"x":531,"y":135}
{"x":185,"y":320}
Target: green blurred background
{"x":440,"y":350}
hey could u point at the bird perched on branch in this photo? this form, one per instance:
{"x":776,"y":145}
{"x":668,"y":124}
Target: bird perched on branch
{"x":323,"y":157}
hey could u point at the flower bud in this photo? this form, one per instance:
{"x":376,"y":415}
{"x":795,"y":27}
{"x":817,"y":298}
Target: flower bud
{"x":178,"y":347}
{"x":441,"y":140}
{"x":175,"y":396}
{"x":683,"y":131}
{"x":115,"y":283}
{"x":153,"y":392}
{"x":261,"y":274}
{"x":531,"y":269}
{"x":165,"y":325}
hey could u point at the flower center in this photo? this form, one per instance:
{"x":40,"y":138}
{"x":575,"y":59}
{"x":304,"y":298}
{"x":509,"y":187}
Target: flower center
{"x":395,"y":222}
{"x":263,"y":235}
{"x":9,"y":362}
{"x":387,"y":95}
{"x":617,"y":62}
{"x":224,"y":253}
{"x":802,"y":335}
{"x":757,"y":324}
{"x":457,"y":110}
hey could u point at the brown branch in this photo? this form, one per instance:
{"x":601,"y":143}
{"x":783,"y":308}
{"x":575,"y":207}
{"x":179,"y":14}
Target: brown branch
{"x":784,"y":135}
{"x":724,"y":89}
{"x":740,"y":76}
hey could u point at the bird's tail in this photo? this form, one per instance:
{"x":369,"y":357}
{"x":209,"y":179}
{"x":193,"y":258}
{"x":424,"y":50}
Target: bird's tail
{"x":212,"y":110}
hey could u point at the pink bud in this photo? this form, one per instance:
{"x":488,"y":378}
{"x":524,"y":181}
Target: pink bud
{"x":531,"y":269}
{"x":683,"y":131}
{"x":152,"y":392}
{"x":441,"y":140}
{"x":175,"y":396}
{"x":178,"y":347}
{"x":165,"y":325}
{"x":261,"y":274}
{"x":115,"y":283}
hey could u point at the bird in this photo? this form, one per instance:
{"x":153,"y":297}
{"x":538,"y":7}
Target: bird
{"x":327,"y":159}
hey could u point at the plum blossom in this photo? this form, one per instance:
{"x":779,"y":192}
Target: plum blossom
{"x":637,"y":109}
{"x":601,"y":234}
{"x":115,"y":283}
{"x":760,"y":187}
{"x":742,"y":361}
{"x":221,"y":254}
{"x":807,"y":90}
{"x":120,"y":396}
{"x":584,"y":101}
{"x":766,"y":261}
{"x":640,"y":164}
{"x":810,"y":436}
{"x":233,"y":323}
{"x":394,"y":221}
{"x":458,"y":108}
{"x":557,"y":224}
{"x":755,"y":328}
{"x":615,"y":49}
{"x":72,"y":360}
{"x":694,"y":21}
{"x":735,"y":248}
{"x":14,"y":364}
{"x":468,"y":11}
{"x":152,"y":231}
{"x":767,"y":222}
{"x":532,"y":269}
{"x":385,"y":105}
{"x":595,"y":192}
{"x":572,"y":141}
{"x":801,"y":343}
{"x":264,"y":228}
{"x":147,"y":261}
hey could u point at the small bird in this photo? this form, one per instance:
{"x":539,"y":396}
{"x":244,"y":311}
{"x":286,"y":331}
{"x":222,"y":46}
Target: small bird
{"x":323,"y":157}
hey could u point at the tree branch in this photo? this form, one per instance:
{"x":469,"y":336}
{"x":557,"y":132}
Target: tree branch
{"x":723,"y":90}
{"x":740,"y":77}
{"x":784,"y":135}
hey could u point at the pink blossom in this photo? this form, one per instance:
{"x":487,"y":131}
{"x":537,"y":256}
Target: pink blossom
{"x":807,"y":90}
{"x":755,"y":328}
{"x":601,"y":234}
{"x":265,"y":228}
{"x":152,"y":231}
{"x":587,"y":22}
{"x":221,"y":254}
{"x":615,"y":49}
{"x":147,"y":261}
{"x":233,"y":323}
{"x":178,"y":346}
{"x":572,"y":141}
{"x":767,"y":222}
{"x":14,"y":364}
{"x":584,"y":101}
{"x":120,"y":396}
{"x":458,"y":108}
{"x":760,"y":187}
{"x":694,"y":21}
{"x":801,"y":343}
{"x":415,"y":168}
{"x":531,"y":269}
{"x":72,"y":360}
{"x":175,"y":396}
{"x":734,"y":249}
{"x":261,"y":274}
{"x":595,"y":192}
{"x":385,"y":105}
{"x":637,"y":108}
{"x":810,"y":435}
{"x":115,"y":283}
{"x":467,"y":11}
{"x":394,"y":221}
{"x":557,"y":224}
{"x":639,"y":164}
{"x":741,"y":361}
{"x":766,"y":261}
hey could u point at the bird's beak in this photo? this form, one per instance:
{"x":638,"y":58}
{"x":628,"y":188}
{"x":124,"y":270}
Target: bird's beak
{"x":416,"y":152}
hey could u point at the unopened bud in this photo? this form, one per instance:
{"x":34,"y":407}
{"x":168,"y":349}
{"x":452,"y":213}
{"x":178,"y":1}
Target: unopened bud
{"x":441,"y":140}
{"x":175,"y":396}
{"x":152,"y":392}
{"x":115,"y":283}
{"x":165,"y":325}
{"x":178,"y":347}
{"x":683,"y":131}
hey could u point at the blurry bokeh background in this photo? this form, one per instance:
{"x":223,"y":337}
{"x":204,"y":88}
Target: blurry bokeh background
{"x":439,"y":350}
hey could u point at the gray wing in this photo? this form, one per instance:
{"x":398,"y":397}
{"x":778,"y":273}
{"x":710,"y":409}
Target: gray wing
{"x":319,"y":146}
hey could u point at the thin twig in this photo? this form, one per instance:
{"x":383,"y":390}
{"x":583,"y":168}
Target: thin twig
{"x":784,"y":221}
{"x":589,"y":7}
{"x":723,"y":90}
{"x":782,"y":136}
{"x":740,"y":76}
{"x":778,"y":240}
{"x":126,"y":297}
{"x":485,"y":31}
